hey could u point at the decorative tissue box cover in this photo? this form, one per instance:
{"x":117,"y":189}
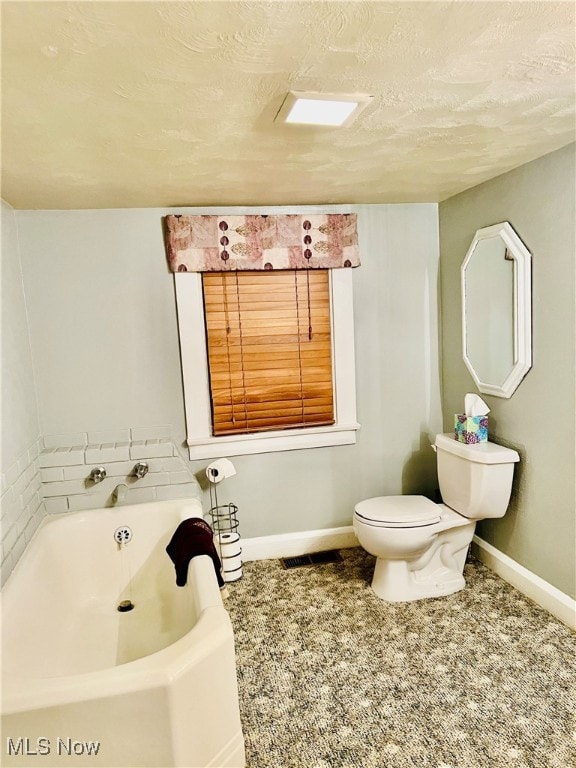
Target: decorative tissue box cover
{"x":470,"y":429}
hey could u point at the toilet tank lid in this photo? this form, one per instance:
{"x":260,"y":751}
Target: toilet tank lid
{"x":481,"y":453}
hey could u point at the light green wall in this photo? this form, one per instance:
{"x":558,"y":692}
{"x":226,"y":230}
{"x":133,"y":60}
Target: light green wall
{"x":105,"y":349}
{"x":538,"y":531}
{"x":20,"y":428}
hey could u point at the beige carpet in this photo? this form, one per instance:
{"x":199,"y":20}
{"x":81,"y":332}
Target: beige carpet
{"x":332,"y":677}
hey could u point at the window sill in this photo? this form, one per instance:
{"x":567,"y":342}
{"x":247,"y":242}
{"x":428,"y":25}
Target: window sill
{"x":268,"y":442}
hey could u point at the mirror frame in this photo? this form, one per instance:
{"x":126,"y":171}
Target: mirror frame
{"x":522,"y":309}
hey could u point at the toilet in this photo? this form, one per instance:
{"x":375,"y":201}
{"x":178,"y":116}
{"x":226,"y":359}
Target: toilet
{"x":420,"y":547}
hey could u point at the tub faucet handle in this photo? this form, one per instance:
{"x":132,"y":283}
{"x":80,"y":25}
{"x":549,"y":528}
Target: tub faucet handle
{"x":97,"y":475}
{"x":140,"y":469}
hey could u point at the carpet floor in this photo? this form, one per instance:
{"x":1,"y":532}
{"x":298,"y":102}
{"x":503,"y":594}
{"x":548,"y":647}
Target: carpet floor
{"x":332,"y":677}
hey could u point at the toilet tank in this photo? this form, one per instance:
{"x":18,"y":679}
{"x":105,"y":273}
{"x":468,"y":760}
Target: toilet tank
{"x":475,"y":480}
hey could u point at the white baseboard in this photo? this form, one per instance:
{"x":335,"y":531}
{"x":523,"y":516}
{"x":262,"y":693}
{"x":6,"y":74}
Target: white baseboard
{"x":298,"y":543}
{"x":541,"y":592}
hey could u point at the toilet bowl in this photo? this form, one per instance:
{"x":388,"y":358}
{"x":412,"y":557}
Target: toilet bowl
{"x":415,"y":558}
{"x":420,"y":547}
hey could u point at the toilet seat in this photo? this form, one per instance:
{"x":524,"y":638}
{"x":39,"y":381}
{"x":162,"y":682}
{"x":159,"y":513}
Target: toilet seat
{"x":398,"y":512}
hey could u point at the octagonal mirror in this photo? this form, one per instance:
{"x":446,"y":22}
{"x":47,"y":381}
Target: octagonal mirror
{"x":496,"y":310}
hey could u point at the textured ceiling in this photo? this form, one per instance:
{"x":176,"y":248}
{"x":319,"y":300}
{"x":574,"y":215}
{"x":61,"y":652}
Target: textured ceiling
{"x":138,"y":104}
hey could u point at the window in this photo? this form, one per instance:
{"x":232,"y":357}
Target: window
{"x":269,"y":351}
{"x":267,"y":359}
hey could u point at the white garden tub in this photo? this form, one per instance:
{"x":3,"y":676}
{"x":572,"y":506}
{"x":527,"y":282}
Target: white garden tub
{"x":84,"y":684}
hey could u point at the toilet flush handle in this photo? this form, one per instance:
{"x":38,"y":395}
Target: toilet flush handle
{"x":433,"y":448}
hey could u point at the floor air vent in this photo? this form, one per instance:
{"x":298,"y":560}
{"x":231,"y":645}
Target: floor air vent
{"x":314,"y":558}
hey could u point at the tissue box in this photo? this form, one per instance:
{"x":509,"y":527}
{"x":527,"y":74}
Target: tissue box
{"x":470,"y":429}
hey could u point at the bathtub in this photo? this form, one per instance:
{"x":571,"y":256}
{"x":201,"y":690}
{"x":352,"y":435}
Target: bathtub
{"x":86,"y":684}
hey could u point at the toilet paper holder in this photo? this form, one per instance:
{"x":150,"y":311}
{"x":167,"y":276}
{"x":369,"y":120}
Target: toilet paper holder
{"x":224,"y":520}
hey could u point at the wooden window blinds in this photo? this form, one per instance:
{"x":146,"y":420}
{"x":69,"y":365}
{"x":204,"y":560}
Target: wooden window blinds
{"x":269,"y":350}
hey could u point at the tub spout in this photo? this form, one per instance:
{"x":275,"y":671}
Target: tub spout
{"x":119,"y":494}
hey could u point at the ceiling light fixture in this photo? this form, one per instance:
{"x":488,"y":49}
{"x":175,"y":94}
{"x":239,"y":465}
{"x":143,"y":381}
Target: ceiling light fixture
{"x":328,"y":109}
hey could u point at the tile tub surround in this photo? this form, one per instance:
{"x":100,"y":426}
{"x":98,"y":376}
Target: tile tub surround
{"x":21,"y":506}
{"x":52,"y":477}
{"x":67,"y":460}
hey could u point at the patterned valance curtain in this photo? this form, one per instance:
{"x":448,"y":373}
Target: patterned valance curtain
{"x":238,"y":243}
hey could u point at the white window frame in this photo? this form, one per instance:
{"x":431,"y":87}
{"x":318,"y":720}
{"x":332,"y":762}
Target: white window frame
{"x":194,"y":356}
